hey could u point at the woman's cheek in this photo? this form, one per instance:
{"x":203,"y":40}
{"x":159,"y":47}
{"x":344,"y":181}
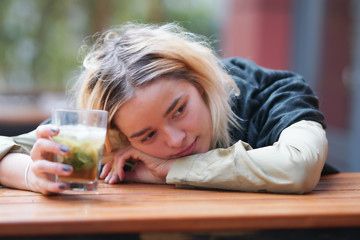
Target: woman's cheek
{"x":153,"y":150}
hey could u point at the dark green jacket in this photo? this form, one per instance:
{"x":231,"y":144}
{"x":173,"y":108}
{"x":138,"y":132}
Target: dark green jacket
{"x":270,"y":101}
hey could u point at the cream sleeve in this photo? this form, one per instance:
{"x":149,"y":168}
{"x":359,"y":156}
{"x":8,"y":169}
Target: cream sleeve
{"x":293,"y":164}
{"x":19,"y":144}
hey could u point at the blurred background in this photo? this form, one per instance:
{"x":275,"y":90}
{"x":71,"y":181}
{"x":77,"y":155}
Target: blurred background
{"x":320,"y":39}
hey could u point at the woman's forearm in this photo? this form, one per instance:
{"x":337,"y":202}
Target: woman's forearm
{"x":12,"y":170}
{"x":295,"y":162}
{"x":291,"y":165}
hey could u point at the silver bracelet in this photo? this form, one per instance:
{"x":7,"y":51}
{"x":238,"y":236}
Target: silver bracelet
{"x":26,"y":175}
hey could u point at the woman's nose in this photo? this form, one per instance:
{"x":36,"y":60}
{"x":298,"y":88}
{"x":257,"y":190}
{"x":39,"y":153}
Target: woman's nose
{"x":174,"y":137}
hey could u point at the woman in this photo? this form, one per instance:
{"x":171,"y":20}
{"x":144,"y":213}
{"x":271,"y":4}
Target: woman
{"x":184,"y":118}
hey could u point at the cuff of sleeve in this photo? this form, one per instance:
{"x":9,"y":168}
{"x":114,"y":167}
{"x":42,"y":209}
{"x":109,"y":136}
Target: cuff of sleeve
{"x":19,"y":144}
{"x":199,"y":168}
{"x":6,"y":145}
{"x":179,"y":171}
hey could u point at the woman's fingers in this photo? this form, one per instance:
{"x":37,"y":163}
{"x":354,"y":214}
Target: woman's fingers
{"x":113,"y":171}
{"x":44,"y":166}
{"x":109,"y":173}
{"x":48,"y":187}
{"x":121,"y":158}
{"x":46,"y":131}
{"x":45,"y":145}
{"x":119,"y":166}
{"x":106,"y":169}
{"x":42,"y":175}
{"x":112,"y":178}
{"x":148,"y":169}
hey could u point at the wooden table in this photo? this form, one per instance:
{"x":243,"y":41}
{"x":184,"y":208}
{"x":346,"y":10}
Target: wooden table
{"x":134,"y":208}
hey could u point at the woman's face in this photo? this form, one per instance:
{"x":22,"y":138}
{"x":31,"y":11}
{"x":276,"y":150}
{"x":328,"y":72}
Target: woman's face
{"x":166,"y":119}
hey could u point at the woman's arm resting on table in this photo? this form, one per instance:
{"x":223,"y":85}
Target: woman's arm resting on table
{"x":12,"y":170}
{"x":19,"y":171}
{"x":291,"y":165}
{"x":14,"y":159}
{"x":26,"y":161}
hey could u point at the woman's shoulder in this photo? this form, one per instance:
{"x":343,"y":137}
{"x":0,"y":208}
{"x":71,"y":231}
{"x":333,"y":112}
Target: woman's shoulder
{"x":240,"y":67}
{"x":270,"y":100}
{"x":243,"y":63}
{"x":252,"y":73}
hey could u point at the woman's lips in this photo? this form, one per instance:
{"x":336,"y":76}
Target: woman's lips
{"x":189,"y":150}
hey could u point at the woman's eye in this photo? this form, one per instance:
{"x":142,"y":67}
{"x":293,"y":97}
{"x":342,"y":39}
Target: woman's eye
{"x":148,"y":137}
{"x":179,"y":111}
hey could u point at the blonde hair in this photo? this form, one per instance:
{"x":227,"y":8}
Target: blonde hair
{"x":134,"y":55}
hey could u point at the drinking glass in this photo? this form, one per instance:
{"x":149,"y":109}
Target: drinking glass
{"x":83,"y":131}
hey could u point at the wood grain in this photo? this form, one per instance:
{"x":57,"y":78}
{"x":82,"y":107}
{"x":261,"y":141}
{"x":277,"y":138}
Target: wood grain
{"x":130,"y":208}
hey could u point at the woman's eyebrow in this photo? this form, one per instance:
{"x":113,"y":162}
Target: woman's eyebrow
{"x":172,"y":106}
{"x":138,"y":134}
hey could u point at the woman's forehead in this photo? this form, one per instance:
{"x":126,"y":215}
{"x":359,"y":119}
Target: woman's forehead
{"x":152,"y":101}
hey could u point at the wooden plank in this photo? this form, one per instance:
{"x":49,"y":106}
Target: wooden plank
{"x":125,"y":208}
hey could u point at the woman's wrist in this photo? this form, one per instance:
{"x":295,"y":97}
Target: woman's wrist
{"x":169,"y":164}
{"x":26,"y":176}
{"x":13,"y":167}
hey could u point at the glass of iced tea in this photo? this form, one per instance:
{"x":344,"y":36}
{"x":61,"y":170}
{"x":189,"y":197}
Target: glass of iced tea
{"x":83,"y":131}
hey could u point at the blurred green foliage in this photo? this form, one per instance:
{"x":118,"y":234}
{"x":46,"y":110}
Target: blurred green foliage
{"x":40,"y":39}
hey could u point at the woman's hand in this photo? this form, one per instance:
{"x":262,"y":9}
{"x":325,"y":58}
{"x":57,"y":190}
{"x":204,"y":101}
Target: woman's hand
{"x":42,"y":171}
{"x":148,"y":169}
